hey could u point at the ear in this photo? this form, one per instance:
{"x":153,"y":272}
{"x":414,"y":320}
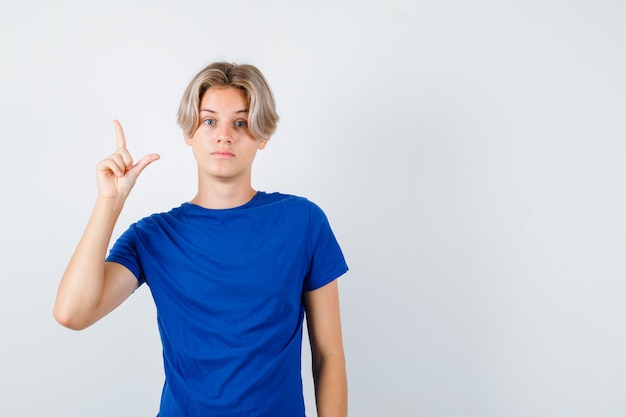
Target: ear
{"x":188,"y":141}
{"x":262,"y":143}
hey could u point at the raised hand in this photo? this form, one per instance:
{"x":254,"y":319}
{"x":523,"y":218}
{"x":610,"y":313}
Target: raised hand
{"x":117,"y":174}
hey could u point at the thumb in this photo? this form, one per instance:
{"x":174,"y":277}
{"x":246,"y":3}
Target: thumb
{"x":144,"y":162}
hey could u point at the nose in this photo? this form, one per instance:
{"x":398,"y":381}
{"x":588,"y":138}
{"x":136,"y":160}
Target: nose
{"x":223,"y":139}
{"x":224,"y":134}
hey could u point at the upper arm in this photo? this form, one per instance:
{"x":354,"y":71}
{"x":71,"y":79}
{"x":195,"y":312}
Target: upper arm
{"x":323,"y":320}
{"x":119,"y":284}
{"x":81,"y":302}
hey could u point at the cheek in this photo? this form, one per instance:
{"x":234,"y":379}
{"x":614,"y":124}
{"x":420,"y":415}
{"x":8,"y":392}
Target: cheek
{"x":195,"y":152}
{"x":197,"y":148}
{"x":195,"y":138}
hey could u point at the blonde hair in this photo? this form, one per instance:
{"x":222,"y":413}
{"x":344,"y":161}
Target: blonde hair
{"x":262,"y":116}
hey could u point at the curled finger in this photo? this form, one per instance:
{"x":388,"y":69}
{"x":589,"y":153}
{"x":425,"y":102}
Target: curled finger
{"x":115,"y":164}
{"x":127,"y":159}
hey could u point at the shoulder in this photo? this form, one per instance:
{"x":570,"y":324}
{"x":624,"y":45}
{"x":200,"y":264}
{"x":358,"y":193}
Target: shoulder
{"x":161,"y":218}
{"x":264,"y":198}
{"x":286,"y":199}
{"x":291,"y":203}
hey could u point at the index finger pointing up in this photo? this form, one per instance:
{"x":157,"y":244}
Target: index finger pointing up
{"x":120,"y":139}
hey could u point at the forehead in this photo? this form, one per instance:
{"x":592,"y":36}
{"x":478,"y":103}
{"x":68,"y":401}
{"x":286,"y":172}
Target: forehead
{"x":224,"y":99}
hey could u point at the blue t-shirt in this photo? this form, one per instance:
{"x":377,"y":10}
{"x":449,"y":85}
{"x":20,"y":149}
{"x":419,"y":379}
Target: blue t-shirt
{"x":228,"y":287}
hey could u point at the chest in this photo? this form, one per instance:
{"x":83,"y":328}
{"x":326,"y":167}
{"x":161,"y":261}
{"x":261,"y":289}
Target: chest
{"x":228,"y":267}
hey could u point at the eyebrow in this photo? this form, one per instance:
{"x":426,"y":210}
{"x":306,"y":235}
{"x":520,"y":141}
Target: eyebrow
{"x":214,"y":112}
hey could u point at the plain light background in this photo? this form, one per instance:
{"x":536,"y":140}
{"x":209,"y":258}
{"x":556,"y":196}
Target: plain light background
{"x":469,"y":154}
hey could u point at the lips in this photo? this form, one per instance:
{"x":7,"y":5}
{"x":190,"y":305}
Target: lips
{"x":223,"y":153}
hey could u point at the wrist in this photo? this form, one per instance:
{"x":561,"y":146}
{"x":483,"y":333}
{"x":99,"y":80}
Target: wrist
{"x":110,"y":203}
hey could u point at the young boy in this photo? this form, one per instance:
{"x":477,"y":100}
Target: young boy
{"x":231,"y":272}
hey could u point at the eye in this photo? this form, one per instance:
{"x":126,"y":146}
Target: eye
{"x":241,"y":123}
{"x":209,"y":122}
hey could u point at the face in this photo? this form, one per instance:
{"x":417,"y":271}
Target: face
{"x":222,"y":145}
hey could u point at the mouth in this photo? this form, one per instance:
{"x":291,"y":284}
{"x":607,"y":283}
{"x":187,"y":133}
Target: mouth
{"x":222,"y":153}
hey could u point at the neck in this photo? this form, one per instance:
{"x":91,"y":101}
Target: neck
{"x":223,"y":196}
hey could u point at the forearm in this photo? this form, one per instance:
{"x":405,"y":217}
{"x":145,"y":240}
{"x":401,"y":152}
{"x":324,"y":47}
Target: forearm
{"x":331,"y":387}
{"x":81,"y":287}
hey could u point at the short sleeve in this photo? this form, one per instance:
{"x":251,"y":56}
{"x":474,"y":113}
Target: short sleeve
{"x":327,"y":261}
{"x":125,"y":252}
